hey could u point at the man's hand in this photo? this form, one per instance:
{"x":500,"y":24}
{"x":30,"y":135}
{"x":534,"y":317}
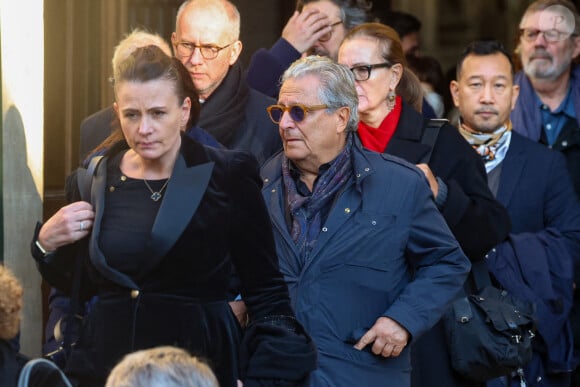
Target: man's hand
{"x":388,"y":338}
{"x":431,"y":178}
{"x":305,"y":28}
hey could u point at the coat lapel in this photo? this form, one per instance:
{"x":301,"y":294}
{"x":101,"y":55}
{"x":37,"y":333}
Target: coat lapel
{"x":512,"y":168}
{"x":273,"y":193}
{"x":97,"y":258}
{"x":184,"y":193}
{"x":406,"y":142}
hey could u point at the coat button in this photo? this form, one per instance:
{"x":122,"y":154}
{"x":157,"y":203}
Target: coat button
{"x":564,"y":143}
{"x":367,"y":169}
{"x":134,"y":293}
{"x":358,"y":175}
{"x":347,"y":210}
{"x":274,"y":190}
{"x":111,"y":188}
{"x":374,"y":222}
{"x":266,"y":180}
{"x":324,"y":229}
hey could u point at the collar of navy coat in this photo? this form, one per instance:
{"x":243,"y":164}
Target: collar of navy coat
{"x":189,"y":180}
{"x":345,"y":206}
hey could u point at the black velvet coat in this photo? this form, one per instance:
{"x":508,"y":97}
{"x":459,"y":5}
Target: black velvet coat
{"x":212,"y":215}
{"x":478,"y":221}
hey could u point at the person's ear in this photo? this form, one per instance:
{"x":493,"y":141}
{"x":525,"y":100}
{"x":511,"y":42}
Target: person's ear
{"x":116,"y":108}
{"x":515,"y":94}
{"x":185,"y":111}
{"x":396,"y":74}
{"x":454,"y":88}
{"x":235,"y":51}
{"x":343,"y":117}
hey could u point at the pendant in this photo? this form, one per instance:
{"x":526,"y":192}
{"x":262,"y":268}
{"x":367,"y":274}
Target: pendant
{"x":155,"y":196}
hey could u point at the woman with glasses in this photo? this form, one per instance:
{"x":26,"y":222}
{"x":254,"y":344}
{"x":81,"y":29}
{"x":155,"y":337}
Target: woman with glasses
{"x":390,"y":123}
{"x":167,"y":219}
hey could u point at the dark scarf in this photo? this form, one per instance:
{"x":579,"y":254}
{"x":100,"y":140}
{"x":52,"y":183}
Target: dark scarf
{"x":305,"y":211}
{"x":225,"y":109}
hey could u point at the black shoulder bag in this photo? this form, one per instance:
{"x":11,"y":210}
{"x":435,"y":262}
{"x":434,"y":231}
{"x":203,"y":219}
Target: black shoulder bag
{"x":67,"y":329}
{"x":489,"y":333}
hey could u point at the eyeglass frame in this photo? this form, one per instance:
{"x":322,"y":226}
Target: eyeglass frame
{"x":561,"y":35}
{"x":288,"y":109}
{"x":327,"y":36}
{"x":369,"y":69}
{"x":212,"y":47}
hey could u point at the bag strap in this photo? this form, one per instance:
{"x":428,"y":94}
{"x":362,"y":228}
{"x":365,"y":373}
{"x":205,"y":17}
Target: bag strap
{"x":430,"y":136}
{"x":26,"y":374}
{"x":84,"y":184}
{"x":85,"y":178}
{"x":480,"y":275}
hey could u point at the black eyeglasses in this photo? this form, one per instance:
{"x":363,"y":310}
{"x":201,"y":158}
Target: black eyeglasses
{"x":186,"y":49}
{"x":363,"y":72}
{"x":326,"y":37}
{"x":297,"y":111}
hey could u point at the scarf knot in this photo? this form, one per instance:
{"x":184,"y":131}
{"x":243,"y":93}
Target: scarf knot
{"x":306,"y":211}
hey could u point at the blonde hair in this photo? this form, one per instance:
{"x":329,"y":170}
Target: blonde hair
{"x":161,"y":367}
{"x":134,"y":40}
{"x":10,"y":304}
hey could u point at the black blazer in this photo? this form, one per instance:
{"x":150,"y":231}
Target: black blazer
{"x":476,"y":218}
{"x":212,"y":215}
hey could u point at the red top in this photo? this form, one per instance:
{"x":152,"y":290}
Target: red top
{"x":377,"y":139}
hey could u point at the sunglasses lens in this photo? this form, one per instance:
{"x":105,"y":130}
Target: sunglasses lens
{"x":276,"y":114}
{"x":297,"y":113}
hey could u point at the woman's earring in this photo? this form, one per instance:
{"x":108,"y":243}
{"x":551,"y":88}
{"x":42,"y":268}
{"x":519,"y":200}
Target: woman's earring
{"x":391,"y":98}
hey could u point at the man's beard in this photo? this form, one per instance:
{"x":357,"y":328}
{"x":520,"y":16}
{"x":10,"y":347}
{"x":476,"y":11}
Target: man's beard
{"x":537,"y":70}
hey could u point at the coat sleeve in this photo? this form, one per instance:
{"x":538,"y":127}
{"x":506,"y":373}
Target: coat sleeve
{"x":276,"y":350}
{"x":476,"y":218}
{"x":267,"y":66}
{"x":440,"y":267}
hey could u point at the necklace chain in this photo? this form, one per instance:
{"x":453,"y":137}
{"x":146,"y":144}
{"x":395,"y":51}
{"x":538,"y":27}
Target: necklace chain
{"x":155,"y":195}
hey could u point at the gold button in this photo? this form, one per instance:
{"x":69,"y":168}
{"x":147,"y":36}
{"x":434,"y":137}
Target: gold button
{"x":347,"y":210}
{"x":274,"y":190}
{"x":111,"y":189}
{"x":134,"y":293}
{"x":266,"y":180}
{"x":123,"y":177}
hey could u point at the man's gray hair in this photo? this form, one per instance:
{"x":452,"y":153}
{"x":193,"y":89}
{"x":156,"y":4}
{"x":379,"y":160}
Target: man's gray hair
{"x":352,"y":12}
{"x":541,"y":5}
{"x":161,"y":367}
{"x":336,"y":84}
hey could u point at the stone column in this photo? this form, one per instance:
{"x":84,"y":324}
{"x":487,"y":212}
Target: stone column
{"x":22,"y":54}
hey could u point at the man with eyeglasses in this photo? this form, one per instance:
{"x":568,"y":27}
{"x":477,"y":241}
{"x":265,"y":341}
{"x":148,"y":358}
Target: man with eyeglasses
{"x":369,"y":261}
{"x":316,"y":27}
{"x":548,"y":107}
{"x":206,"y":41}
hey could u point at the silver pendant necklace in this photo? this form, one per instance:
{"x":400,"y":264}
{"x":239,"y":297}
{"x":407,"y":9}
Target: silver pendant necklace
{"x":156,"y":195}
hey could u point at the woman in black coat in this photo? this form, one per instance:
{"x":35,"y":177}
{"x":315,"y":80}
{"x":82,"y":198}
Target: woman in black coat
{"x":389,"y":100}
{"x":166,"y":220}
